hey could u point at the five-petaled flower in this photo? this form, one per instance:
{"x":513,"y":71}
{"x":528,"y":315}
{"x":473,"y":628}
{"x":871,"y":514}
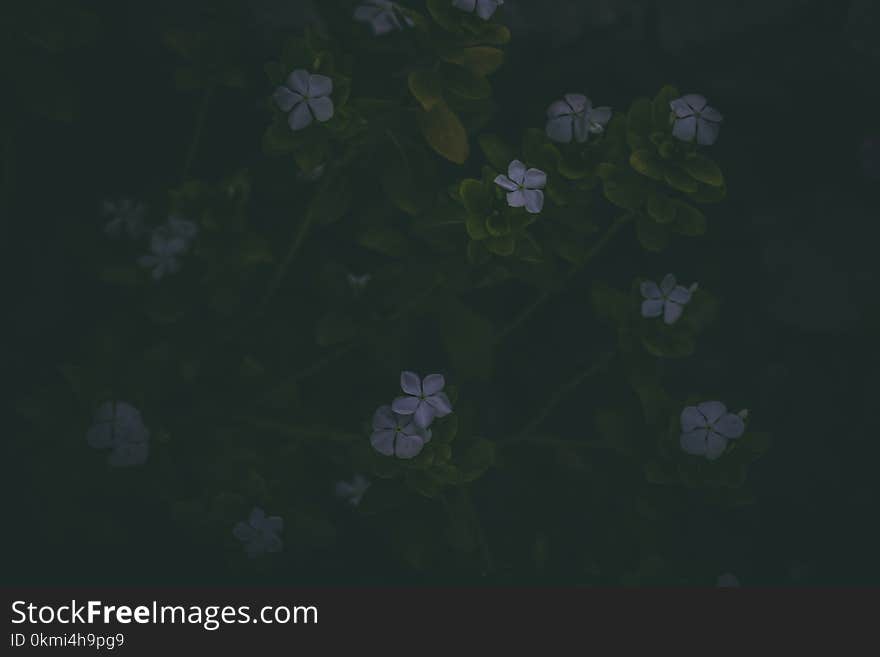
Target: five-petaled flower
{"x":382,"y":15}
{"x":306,"y":97}
{"x":260,"y":533}
{"x":352,"y":491}
{"x":707,"y":427}
{"x":523,"y":186}
{"x":669,"y":299}
{"x":424,"y":398}
{"x":693,"y":117}
{"x":167,"y":244}
{"x":575,"y":117}
{"x":397,"y":435}
{"x":126,"y":218}
{"x":118,"y":426}
{"x":484,"y":8}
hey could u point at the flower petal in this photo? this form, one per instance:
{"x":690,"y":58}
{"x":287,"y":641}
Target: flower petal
{"x":285,"y":99}
{"x":516,"y":199}
{"x":273,"y":543}
{"x":408,"y":446}
{"x":712,"y":410}
{"x":652,"y":307}
{"x":672,"y":312}
{"x":130,"y":453}
{"x":715,"y":445}
{"x":695,"y":101}
{"x":578,"y":102}
{"x":691,"y":419}
{"x":730,"y":426}
{"x":100,"y":436}
{"x":667,"y":284}
{"x":534,"y":200}
{"x":384,"y":418}
{"x":300,"y":117}
{"x":560,"y":129}
{"x":465,"y":5}
{"x":707,"y":132}
{"x":516,"y":171}
{"x":485,"y":8}
{"x":711,"y":114}
{"x":685,"y":128}
{"x":298,"y":81}
{"x":273,"y":524}
{"x":320,"y":85}
{"x":322,"y":108}
{"x":383,"y":442}
{"x":257,"y":517}
{"x":600,"y":115}
{"x":680,"y":108}
{"x":405,"y":405}
{"x":559,"y":108}
{"x":433,"y":384}
{"x":650,"y":290}
{"x":424,"y":415}
{"x":679,"y":294}
{"x":410,"y":383}
{"x":581,"y":124}
{"x":694,"y":442}
{"x":506,"y":183}
{"x":243,"y":532}
{"x":440,"y":403}
{"x":535,"y":179}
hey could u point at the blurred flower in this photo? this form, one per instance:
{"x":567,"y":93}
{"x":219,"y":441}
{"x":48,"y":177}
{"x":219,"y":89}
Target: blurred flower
{"x":358,"y":283}
{"x":125,"y":217}
{"x":164,"y":251}
{"x":668,"y":300}
{"x":693,"y":117}
{"x":307,"y":97}
{"x":727,"y":581}
{"x":382,"y":15}
{"x":260,"y":533}
{"x":352,"y":491}
{"x":523,"y":186}
{"x":707,"y":427}
{"x":484,"y":8}
{"x":575,"y":117}
{"x":182,"y":228}
{"x":425,"y":398}
{"x":118,"y":426}
{"x":313,"y":175}
{"x":397,"y":435}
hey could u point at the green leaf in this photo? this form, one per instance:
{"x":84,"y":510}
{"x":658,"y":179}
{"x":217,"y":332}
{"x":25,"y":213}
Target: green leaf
{"x":478,"y":458}
{"x":498,"y":224}
{"x":502,"y":246}
{"x":703,"y":169}
{"x":647,"y":163}
{"x":331,"y":201}
{"x":678,"y":179}
{"x":476,"y":227}
{"x":497,"y":151}
{"x":610,"y":303}
{"x":624,"y":193}
{"x":445,"y":15}
{"x":638,"y":119}
{"x":423,"y":483}
{"x":708,"y":194}
{"x":468,"y":338}
{"x":660,"y":110}
{"x":466,"y":84}
{"x":652,"y":236}
{"x":385,"y":240}
{"x":660,"y":208}
{"x":669,"y":344}
{"x":480,"y":60}
{"x":477,"y":253}
{"x":445,"y":133}
{"x":476,"y":198}
{"x":425,"y":87}
{"x":688,"y":219}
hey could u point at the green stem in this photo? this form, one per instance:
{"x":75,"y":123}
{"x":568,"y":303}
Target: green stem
{"x":527,"y":312}
{"x":193,"y":149}
{"x":561,"y":393}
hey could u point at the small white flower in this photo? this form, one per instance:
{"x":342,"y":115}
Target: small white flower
{"x":483,"y":8}
{"x":575,"y":118}
{"x":118,"y":426}
{"x":260,"y":533}
{"x":382,"y":15}
{"x":523,"y":187}
{"x":692,"y":117}
{"x":706,"y":429}
{"x":307,"y":97}
{"x":352,"y":492}
{"x":167,"y":244}
{"x":669,"y":299}
{"x":358,"y":283}
{"x":126,"y":218}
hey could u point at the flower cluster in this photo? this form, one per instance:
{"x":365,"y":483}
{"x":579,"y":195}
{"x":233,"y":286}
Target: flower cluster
{"x":167,"y":244}
{"x":259,"y":534}
{"x":118,"y":426}
{"x":305,"y":97}
{"x":402,"y":429}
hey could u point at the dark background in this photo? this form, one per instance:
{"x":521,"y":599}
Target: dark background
{"x":791,"y":253}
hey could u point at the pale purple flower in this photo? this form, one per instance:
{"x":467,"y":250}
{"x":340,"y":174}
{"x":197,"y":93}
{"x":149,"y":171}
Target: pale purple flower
{"x":358,"y":283}
{"x":669,"y":299}
{"x":182,"y":228}
{"x":165,"y":251}
{"x":424,"y":398}
{"x":126,"y":217}
{"x":692,"y":117}
{"x":118,"y":426}
{"x":575,"y":118}
{"x":352,"y":491}
{"x":260,"y":533}
{"x":484,"y":8}
{"x":306,"y":97}
{"x":382,"y":15}
{"x":727,"y":581}
{"x":523,"y":186}
{"x":706,"y":429}
{"x":397,"y":435}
